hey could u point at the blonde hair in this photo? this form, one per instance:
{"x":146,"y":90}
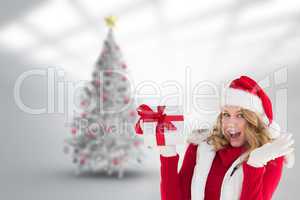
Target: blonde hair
{"x":256,"y":132}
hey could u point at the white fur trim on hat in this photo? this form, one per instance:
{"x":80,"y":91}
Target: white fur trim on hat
{"x":237,"y":97}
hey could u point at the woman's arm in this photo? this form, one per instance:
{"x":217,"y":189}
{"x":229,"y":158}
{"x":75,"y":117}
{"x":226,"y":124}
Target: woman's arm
{"x":260,"y":182}
{"x":174,"y":185}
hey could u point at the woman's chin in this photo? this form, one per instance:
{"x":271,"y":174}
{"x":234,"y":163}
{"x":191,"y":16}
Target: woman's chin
{"x":236,"y":143}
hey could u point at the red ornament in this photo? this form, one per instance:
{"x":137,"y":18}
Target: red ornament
{"x":83,"y":115}
{"x":115,"y":161}
{"x":136,"y":143}
{"x":104,"y":97}
{"x":91,"y":135}
{"x":124,"y":78}
{"x":83,"y":103}
{"x":108,"y":73}
{"x":126,"y":100}
{"x":82,"y":161}
{"x":97,"y":83}
{"x":104,"y":52}
{"x":73,"y":130}
{"x":132,"y":113}
{"x":108,"y":129}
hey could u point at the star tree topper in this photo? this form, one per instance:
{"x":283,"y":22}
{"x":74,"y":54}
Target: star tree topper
{"x":111,"y":21}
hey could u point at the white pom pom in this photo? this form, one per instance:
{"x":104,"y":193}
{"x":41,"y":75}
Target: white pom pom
{"x":289,"y":160}
{"x":274,"y":130}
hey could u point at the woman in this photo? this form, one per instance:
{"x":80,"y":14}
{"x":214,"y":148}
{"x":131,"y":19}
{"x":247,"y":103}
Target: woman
{"x":240,"y":158}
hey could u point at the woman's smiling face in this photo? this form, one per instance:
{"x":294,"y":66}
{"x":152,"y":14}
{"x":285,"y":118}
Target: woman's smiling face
{"x":233,"y":125}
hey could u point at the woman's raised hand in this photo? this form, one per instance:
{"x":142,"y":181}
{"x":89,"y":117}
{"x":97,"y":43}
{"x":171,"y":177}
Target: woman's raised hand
{"x":279,"y":147}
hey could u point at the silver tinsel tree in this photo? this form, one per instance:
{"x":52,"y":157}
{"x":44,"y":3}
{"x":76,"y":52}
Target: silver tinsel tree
{"x":103,"y":138}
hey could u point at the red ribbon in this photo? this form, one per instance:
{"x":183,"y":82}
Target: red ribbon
{"x":163,"y":121}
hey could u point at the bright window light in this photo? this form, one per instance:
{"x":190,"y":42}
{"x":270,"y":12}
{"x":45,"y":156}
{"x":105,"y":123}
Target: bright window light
{"x":77,"y":69}
{"x":54,"y":18}
{"x":46,"y":54}
{"x":268,"y":34}
{"x":137,"y":21}
{"x":175,"y":10}
{"x":84,"y":44}
{"x":14,"y":36}
{"x":199,"y":30}
{"x":99,"y":9}
{"x":275,"y":10}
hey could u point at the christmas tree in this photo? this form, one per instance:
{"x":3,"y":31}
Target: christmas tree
{"x":103,"y":138}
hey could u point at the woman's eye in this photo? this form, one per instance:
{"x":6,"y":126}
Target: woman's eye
{"x":240,"y":116}
{"x":226,"y":115}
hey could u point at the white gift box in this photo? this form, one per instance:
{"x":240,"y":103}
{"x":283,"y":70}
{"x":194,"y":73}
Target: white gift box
{"x":172,"y":137}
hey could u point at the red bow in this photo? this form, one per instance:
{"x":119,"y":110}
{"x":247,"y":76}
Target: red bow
{"x":163,"y":121}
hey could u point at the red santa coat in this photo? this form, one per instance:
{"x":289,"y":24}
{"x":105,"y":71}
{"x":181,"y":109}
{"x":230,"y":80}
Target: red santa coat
{"x":242,"y":183}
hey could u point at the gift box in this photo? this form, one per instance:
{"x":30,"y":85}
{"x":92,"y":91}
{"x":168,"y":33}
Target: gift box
{"x":160,"y":125}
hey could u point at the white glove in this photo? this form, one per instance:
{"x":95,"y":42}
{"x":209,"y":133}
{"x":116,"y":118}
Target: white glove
{"x":278,"y":147}
{"x":167,"y":151}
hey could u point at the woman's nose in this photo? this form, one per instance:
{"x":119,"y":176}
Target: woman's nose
{"x":232,"y":121}
{"x":230,"y":125}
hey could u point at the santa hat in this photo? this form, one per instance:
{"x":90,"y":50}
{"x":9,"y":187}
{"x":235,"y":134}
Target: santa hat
{"x":246,"y":93}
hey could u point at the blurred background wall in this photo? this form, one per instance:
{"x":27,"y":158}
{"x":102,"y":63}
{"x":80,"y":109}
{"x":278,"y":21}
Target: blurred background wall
{"x":162,"y":40}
